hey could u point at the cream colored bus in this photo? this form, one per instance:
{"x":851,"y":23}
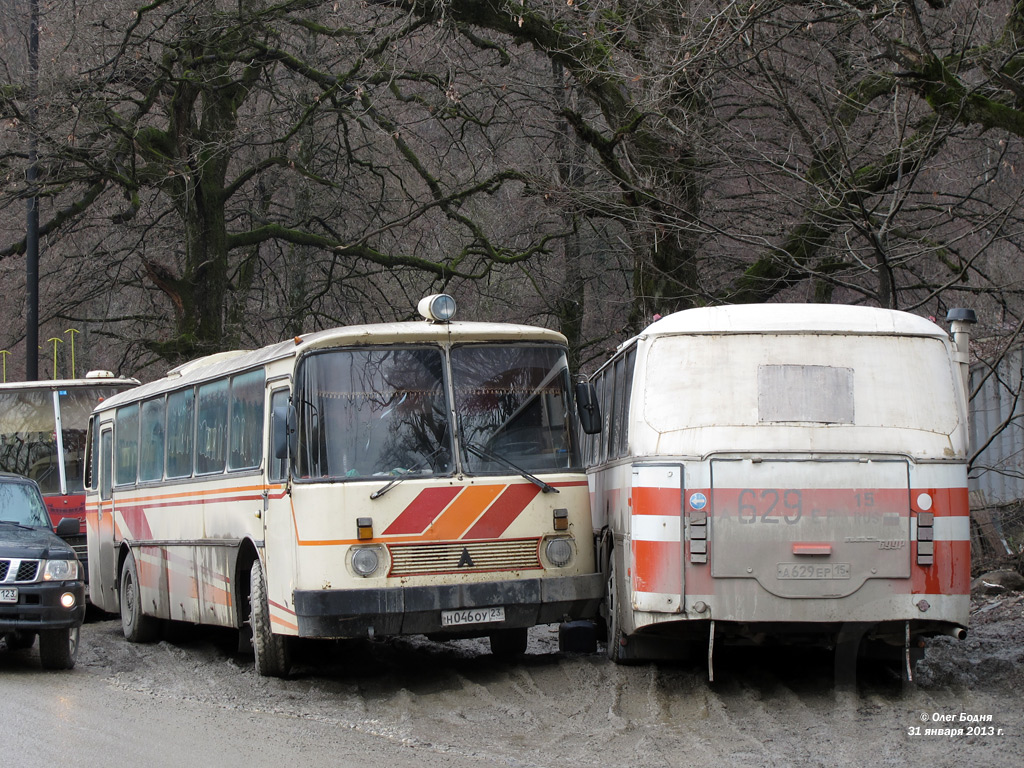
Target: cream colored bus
{"x":784,"y":473}
{"x":366,"y":481}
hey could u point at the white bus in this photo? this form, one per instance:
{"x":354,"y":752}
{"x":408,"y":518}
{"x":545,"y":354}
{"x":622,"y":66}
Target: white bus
{"x":783,"y":473}
{"x":366,"y":481}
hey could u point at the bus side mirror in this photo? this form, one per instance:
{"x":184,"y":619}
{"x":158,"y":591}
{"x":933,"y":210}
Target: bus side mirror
{"x":284,"y":429}
{"x":587,"y":408}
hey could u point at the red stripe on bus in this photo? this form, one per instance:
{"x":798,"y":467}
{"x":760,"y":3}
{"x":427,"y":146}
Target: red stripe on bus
{"x":505,"y":509}
{"x":657,"y":567}
{"x":656,"y":501}
{"x":949,"y":575}
{"x":945,"y":502}
{"x":136,"y":522}
{"x":792,"y":504}
{"x":424,"y":509}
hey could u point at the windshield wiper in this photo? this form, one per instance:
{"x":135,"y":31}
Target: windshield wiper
{"x":17,"y":523}
{"x":419,"y":465}
{"x":489,"y":456}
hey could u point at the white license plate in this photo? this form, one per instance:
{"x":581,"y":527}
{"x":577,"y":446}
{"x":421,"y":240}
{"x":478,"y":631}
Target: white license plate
{"x":8,"y":595}
{"x":472,"y":616}
{"x":813,"y":571}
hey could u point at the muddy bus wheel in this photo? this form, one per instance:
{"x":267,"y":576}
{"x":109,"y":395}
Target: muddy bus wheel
{"x":58,"y":648}
{"x":137,"y":626}
{"x":616,"y":641}
{"x":271,"y":650}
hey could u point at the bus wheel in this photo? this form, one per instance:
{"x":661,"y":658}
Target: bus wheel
{"x":615,"y":644}
{"x":58,"y":648}
{"x":271,"y":650}
{"x":508,"y":643}
{"x":137,"y":627}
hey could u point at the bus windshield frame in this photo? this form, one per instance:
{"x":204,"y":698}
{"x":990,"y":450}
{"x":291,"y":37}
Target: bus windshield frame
{"x":425,"y":410}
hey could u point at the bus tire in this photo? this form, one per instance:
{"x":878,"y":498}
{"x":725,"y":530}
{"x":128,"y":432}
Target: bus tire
{"x":508,"y":643}
{"x":616,"y":644}
{"x":58,"y":648}
{"x":137,"y":626}
{"x":271,"y":650}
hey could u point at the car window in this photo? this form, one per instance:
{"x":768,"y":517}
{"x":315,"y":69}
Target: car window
{"x":21,"y":503}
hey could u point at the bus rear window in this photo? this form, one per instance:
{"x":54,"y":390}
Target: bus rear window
{"x":868,"y":380}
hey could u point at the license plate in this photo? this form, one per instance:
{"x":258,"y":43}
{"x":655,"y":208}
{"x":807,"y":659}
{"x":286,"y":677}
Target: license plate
{"x":8,"y":595}
{"x":472,"y":616}
{"x":813,"y":571}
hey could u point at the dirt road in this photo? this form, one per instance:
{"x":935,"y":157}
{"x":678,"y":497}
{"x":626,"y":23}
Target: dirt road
{"x":413,"y":702}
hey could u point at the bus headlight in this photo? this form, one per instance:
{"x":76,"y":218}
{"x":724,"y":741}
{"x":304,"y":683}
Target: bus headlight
{"x":558,"y":552}
{"x":60,"y":570}
{"x":366,"y":560}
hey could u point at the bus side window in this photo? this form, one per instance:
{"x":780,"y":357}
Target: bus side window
{"x":625,"y":384}
{"x":91,"y":454}
{"x":607,"y":401}
{"x":211,"y":427}
{"x":105,"y":478}
{"x":245,"y":430}
{"x":180,"y":425}
{"x":151,"y":447}
{"x":126,"y":444}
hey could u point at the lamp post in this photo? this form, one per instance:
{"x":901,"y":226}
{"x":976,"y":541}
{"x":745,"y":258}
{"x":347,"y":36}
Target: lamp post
{"x":32,"y":223}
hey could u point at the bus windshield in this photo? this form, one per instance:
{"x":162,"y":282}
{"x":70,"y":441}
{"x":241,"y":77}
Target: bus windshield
{"x":512,"y":407}
{"x":365,"y":413}
{"x":372,"y":413}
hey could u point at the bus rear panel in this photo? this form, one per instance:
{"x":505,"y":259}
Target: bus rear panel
{"x":783,"y":473}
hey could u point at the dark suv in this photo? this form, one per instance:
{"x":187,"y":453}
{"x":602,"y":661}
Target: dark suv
{"x":41,"y":587}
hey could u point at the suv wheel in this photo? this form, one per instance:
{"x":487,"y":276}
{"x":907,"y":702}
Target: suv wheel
{"x":58,"y":648}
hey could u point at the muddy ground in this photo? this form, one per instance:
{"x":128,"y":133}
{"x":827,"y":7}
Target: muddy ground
{"x":452,"y":703}
{"x":766,"y":708}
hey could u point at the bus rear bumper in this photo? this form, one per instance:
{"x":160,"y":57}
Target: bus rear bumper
{"x":417,"y":610}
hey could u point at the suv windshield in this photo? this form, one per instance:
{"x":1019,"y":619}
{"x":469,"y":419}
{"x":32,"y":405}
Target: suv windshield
{"x":372,"y":413}
{"x":512,"y":406}
{"x":21,"y":503}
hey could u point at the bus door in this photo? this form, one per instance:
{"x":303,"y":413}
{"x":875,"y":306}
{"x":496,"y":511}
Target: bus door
{"x":278,"y":530}
{"x":103,"y":568}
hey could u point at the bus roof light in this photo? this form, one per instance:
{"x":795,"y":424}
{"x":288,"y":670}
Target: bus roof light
{"x":438,"y":308}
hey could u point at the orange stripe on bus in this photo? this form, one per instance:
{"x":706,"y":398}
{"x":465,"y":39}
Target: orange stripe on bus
{"x":657,"y":567}
{"x":279,"y":622}
{"x":504,"y":511}
{"x":423,"y":510}
{"x":461,"y":513}
{"x":656,"y":501}
{"x":949,"y":575}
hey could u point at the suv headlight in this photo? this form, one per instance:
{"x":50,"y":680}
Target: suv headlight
{"x":61,"y":570}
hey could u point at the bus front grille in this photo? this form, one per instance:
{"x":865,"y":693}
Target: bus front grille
{"x":464,"y":557}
